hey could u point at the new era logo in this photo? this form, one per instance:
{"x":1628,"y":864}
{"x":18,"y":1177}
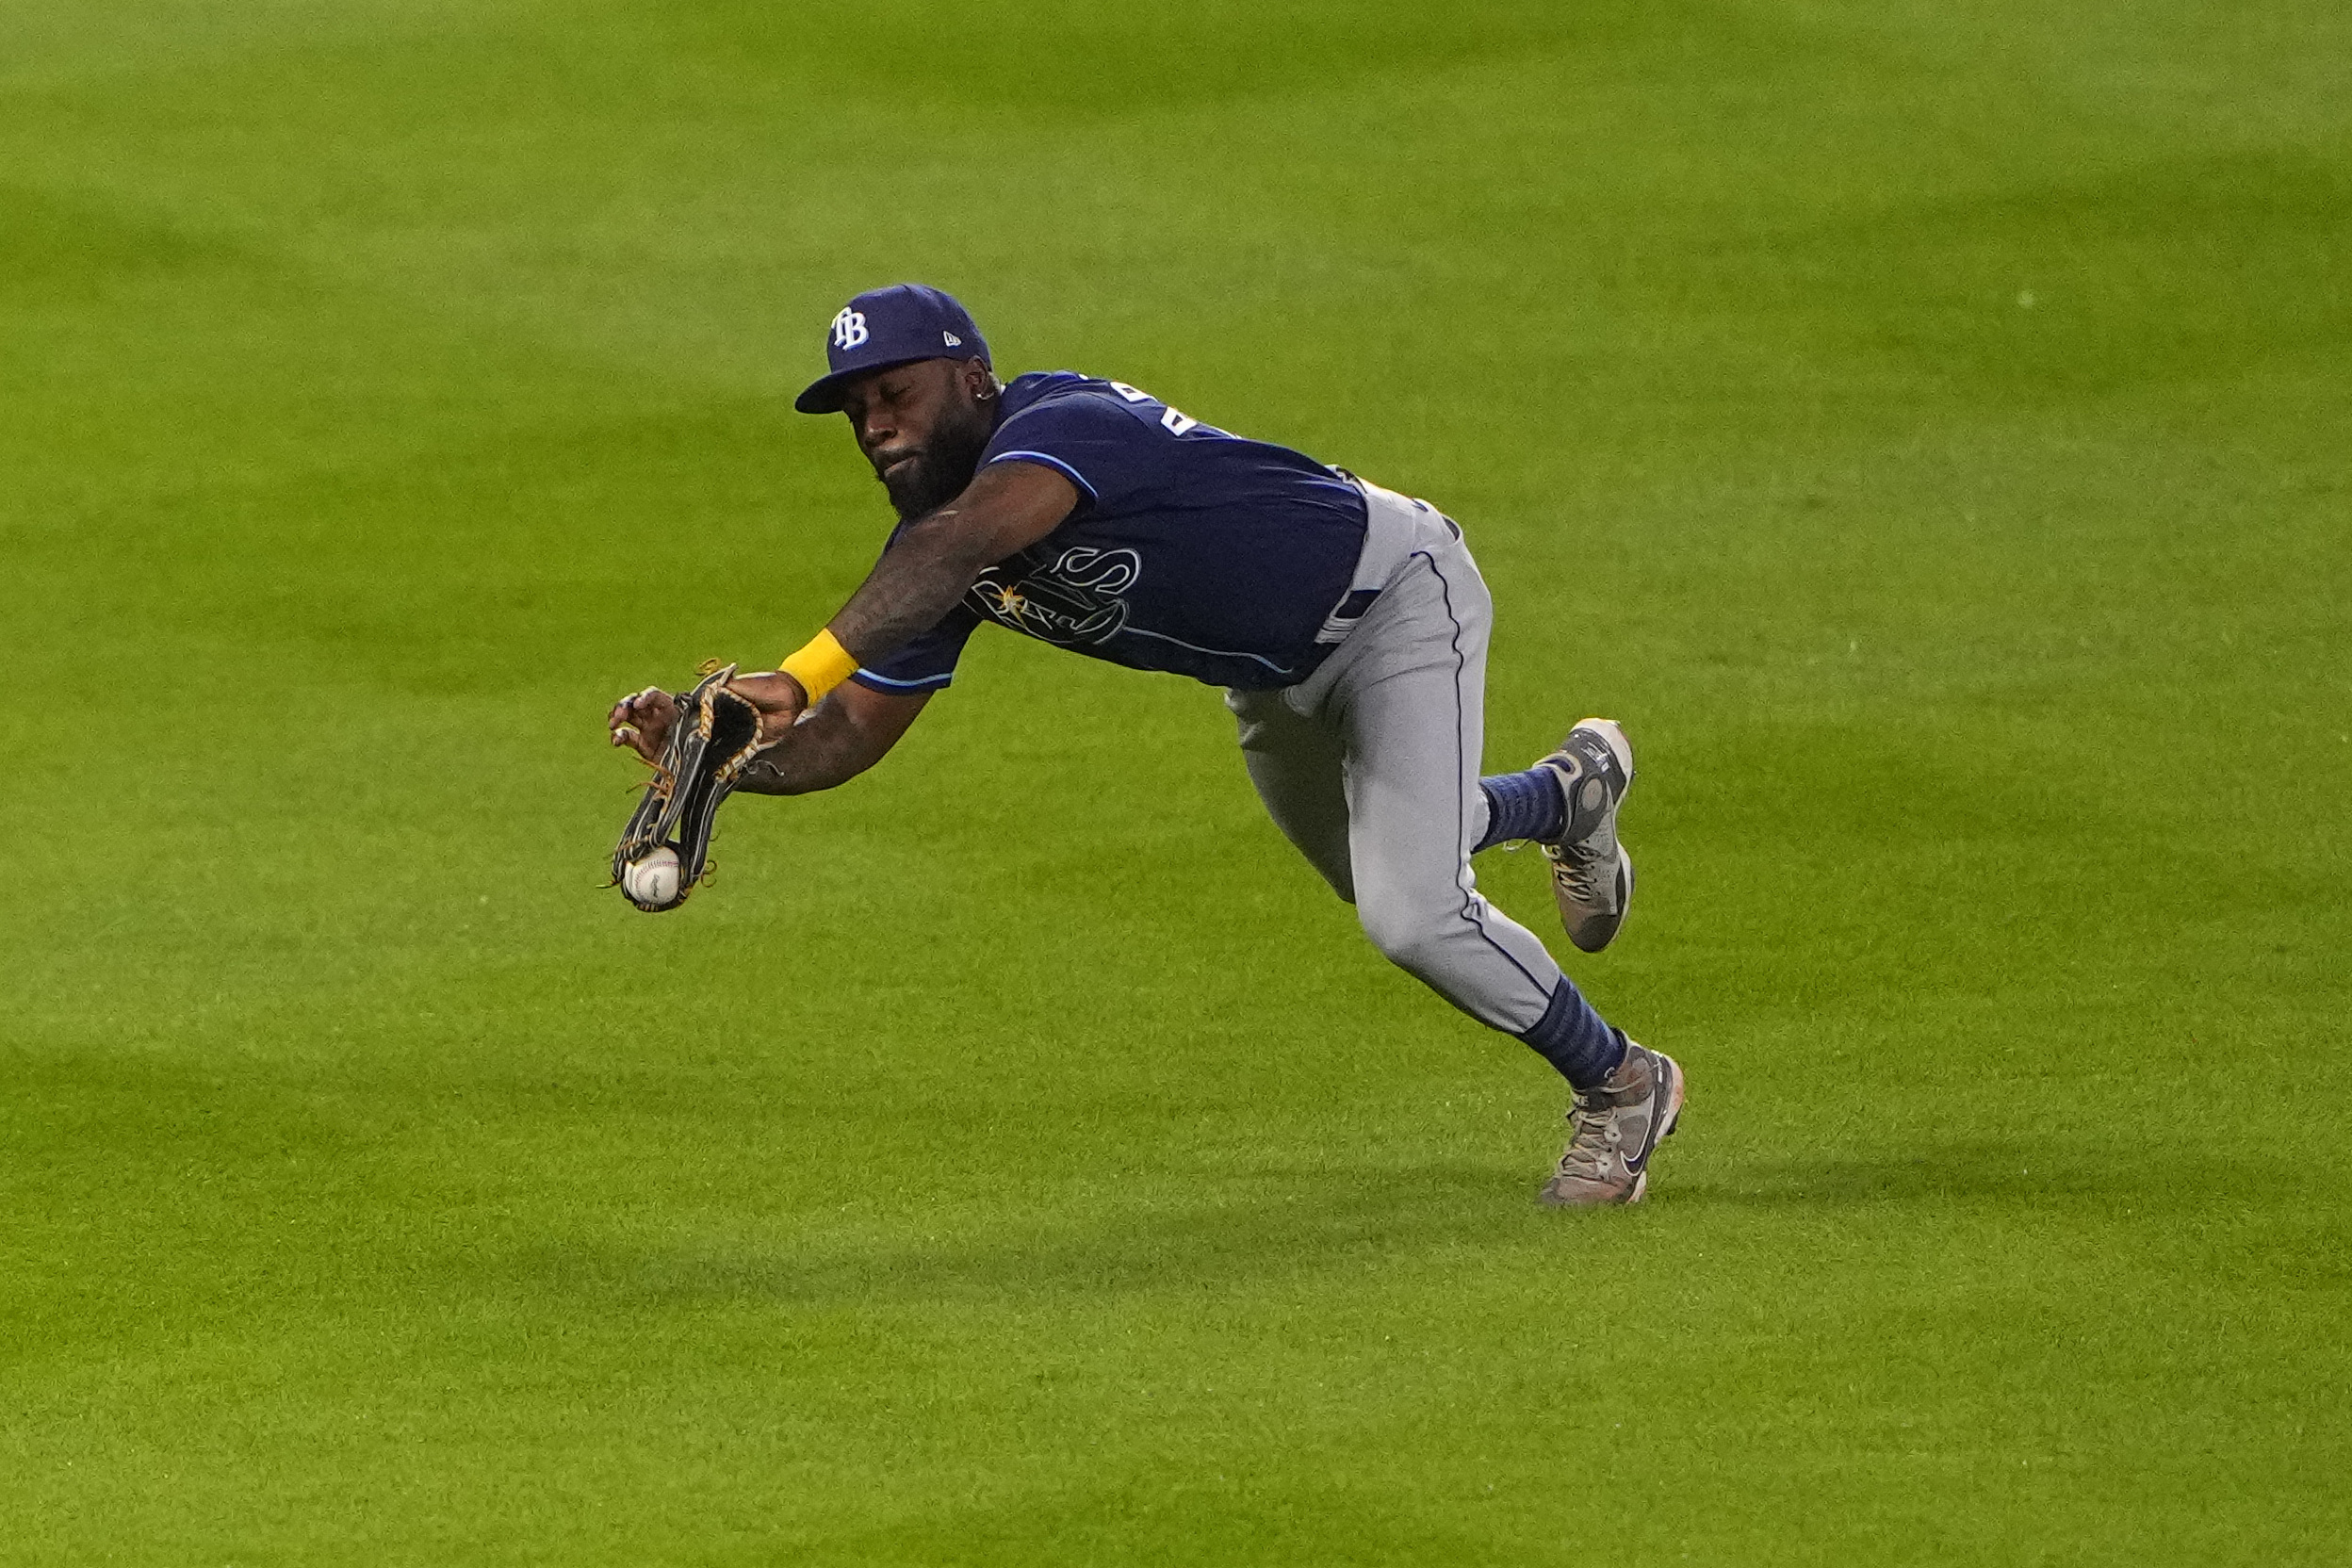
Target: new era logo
{"x":953,"y":341}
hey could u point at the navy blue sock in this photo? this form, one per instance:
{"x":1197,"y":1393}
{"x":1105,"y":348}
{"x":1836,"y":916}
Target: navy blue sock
{"x":1573,"y":1038}
{"x":1525,"y":805}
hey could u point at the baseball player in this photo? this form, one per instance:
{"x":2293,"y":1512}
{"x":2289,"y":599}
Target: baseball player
{"x":1347,"y":623}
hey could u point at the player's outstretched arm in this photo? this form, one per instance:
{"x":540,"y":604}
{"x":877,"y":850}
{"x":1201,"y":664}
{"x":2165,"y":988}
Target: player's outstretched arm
{"x":851,"y":730}
{"x":1005,"y":509}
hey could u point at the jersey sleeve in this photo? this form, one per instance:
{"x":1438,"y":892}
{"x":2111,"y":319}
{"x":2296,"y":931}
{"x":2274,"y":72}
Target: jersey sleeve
{"x":1103,"y":450}
{"x":925,"y":665}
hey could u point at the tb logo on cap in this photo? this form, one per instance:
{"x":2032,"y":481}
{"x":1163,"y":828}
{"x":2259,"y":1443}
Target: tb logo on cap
{"x":849,"y":329}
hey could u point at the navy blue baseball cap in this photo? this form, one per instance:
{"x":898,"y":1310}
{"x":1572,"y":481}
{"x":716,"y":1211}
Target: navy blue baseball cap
{"x":896,"y":325}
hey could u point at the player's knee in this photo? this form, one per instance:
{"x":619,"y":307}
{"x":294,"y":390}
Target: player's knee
{"x":1406,"y":935}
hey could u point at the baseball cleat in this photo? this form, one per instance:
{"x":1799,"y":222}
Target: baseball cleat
{"x":1612,"y":1130}
{"x":1592,"y":874}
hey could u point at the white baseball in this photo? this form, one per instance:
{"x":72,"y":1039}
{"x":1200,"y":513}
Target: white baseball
{"x":653,"y":879}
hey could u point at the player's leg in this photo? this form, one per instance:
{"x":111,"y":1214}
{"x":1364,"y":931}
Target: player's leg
{"x":1406,"y":704}
{"x":1408,"y":701}
{"x":1294,"y":762}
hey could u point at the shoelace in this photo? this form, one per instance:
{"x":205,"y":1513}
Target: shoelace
{"x":1593,"y":1136}
{"x":1575,"y":871}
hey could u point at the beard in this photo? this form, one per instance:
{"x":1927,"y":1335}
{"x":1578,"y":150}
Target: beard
{"x":937,"y":474}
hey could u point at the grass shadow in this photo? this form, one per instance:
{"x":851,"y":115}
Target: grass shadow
{"x":1313,"y":1224}
{"x":1978,"y":1175}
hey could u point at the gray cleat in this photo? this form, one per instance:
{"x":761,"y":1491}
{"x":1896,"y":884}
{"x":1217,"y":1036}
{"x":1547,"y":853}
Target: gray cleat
{"x":1592,"y":874}
{"x":1612,"y":1131}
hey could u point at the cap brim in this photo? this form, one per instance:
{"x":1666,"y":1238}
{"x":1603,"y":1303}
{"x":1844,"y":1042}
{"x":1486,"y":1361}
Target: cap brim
{"x":824,"y":395}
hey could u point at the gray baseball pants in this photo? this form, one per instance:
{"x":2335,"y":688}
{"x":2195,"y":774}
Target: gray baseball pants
{"x":1370,"y":766}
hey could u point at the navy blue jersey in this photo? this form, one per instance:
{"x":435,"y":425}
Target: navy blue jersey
{"x":1189,"y":551}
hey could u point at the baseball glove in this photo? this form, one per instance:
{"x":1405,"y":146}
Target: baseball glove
{"x":665,"y":850}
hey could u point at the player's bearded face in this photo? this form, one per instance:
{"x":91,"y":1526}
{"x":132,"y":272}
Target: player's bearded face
{"x":924,"y":431}
{"x":938,"y":471}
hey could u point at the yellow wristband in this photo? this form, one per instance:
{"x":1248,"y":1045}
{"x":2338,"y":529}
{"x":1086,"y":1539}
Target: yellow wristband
{"x":820,"y":666}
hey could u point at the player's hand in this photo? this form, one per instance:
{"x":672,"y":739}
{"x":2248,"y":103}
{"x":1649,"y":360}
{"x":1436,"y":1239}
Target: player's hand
{"x":642,"y":722}
{"x":779,"y":698}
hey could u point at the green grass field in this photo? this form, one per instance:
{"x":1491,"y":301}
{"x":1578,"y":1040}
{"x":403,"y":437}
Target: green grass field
{"x":1928,"y":427}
